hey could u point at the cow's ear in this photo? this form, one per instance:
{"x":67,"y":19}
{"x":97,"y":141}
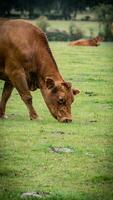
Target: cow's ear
{"x":67,"y":85}
{"x":75,"y":91}
{"x":50,"y":83}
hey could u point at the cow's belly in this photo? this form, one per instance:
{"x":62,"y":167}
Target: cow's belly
{"x":3,"y":76}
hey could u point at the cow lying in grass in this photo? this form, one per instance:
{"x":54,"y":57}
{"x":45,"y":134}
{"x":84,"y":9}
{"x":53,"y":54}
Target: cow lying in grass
{"x":87,"y":42}
{"x":27,"y":63}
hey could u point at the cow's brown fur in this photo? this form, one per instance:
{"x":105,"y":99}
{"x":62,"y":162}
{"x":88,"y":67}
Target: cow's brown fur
{"x":26,"y":63}
{"x":87,"y":42}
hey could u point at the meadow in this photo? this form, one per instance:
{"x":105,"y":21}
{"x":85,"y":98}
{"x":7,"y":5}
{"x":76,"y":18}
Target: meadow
{"x":27,"y":163}
{"x":89,"y":28}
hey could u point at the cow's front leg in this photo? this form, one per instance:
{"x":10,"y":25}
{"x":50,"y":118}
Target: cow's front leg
{"x":7,"y":90}
{"x":18,"y":79}
{"x":27,"y":98}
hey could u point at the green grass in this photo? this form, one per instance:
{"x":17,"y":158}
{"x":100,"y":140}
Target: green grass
{"x":26,"y":161}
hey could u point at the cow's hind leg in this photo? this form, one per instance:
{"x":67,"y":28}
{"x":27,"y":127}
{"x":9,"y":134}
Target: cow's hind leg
{"x":7,"y":90}
{"x":18,"y":79}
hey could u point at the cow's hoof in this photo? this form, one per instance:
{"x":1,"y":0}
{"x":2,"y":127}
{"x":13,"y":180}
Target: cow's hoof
{"x":3,"y":117}
{"x":34,"y":117}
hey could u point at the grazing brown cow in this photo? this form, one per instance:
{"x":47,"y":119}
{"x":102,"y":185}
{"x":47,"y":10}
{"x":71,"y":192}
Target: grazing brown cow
{"x":27,"y":63}
{"x":87,"y":42}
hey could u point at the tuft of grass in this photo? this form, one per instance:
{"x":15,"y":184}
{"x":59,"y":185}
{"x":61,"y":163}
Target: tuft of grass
{"x":26,"y":162}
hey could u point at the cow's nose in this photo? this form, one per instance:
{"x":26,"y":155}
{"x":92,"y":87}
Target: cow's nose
{"x":66,"y":120}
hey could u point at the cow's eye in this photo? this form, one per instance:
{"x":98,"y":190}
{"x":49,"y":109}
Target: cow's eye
{"x":61,"y":101}
{"x":54,"y":90}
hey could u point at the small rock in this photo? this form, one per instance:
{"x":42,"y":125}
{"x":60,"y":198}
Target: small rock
{"x":92,"y":121}
{"x":34,"y":194}
{"x":61,"y":150}
{"x":29,"y":194}
{"x":58,"y":132}
{"x":90,"y":154}
{"x":90,"y":93}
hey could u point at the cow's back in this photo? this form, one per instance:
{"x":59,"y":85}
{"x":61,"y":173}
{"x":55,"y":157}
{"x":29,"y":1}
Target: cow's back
{"x":24,"y":47}
{"x":86,"y":42}
{"x":18,"y":37}
{"x":80,"y":42}
{"x":18,"y":42}
{"x":18,"y":34}
{"x":19,"y":29}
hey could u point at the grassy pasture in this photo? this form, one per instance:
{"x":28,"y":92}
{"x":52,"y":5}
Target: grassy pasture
{"x":86,"y":27}
{"x":26,"y":161}
{"x":83,"y":25}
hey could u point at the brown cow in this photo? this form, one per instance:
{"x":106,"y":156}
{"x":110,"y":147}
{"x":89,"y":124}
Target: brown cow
{"x":87,"y":42}
{"x":27,"y":63}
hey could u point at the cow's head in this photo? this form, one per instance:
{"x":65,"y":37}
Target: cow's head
{"x":98,"y":39}
{"x":59,"y":96}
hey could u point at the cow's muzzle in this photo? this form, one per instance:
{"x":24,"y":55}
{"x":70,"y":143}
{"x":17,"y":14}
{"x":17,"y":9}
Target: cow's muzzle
{"x":65,"y":120}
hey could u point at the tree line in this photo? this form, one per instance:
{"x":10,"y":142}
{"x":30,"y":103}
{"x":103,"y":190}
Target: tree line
{"x":53,"y":8}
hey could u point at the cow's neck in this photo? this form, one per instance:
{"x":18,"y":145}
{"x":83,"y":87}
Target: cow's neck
{"x":49,"y":72}
{"x":48,"y":68}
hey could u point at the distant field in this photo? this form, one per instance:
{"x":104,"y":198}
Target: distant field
{"x":86,"y":27}
{"x":26,"y":161}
